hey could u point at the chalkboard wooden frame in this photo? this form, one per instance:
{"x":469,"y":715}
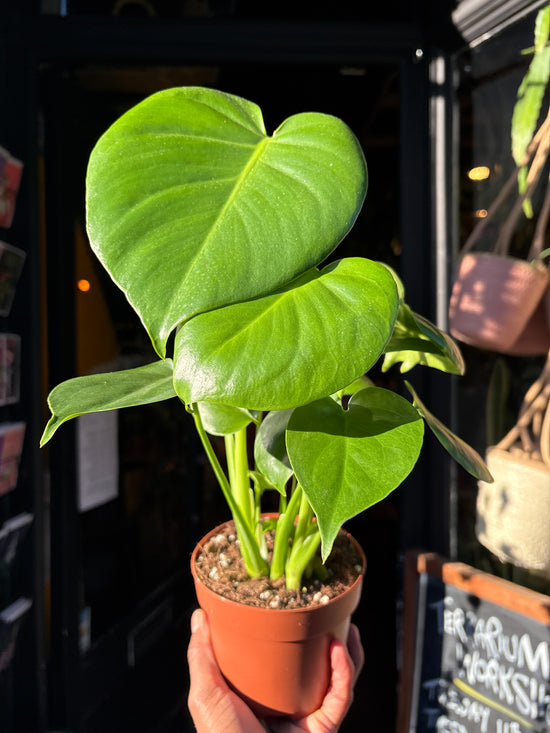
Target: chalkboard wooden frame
{"x":516,"y":598}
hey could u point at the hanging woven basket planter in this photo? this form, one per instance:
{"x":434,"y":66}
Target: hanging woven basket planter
{"x":513,"y":513}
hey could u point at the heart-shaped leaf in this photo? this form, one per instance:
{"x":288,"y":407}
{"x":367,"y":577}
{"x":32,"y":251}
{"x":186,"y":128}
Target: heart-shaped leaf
{"x":347,"y":460}
{"x":270,"y":448}
{"x":191,"y":206}
{"x":291,"y":347}
{"x":462,"y":453}
{"x":100,"y":392}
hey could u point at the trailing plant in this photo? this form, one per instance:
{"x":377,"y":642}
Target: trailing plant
{"x":216,"y":233}
{"x":531,"y":100}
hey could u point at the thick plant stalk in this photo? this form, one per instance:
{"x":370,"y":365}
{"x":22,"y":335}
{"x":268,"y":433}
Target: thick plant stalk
{"x":304,"y":552}
{"x":285,"y":526}
{"x":255,"y":564}
{"x":241,"y":487}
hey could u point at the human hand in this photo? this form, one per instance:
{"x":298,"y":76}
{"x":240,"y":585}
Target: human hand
{"x":215,"y":707}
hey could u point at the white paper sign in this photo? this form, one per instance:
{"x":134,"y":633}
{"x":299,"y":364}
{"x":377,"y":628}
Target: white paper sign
{"x":97,"y":436}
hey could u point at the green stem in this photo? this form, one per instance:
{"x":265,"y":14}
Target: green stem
{"x":229,"y":441}
{"x":285,"y":525}
{"x":256,"y":566}
{"x":301,"y":555}
{"x":241,"y":487}
{"x":283,"y":501}
{"x":305,"y":516}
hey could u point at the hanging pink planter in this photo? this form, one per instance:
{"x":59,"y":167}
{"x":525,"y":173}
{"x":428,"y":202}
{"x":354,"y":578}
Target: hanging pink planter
{"x":534,"y":340}
{"x":498,"y":302}
{"x":493,"y":300}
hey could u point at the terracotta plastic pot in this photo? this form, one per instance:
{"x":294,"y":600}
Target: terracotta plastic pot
{"x":277,"y":660}
{"x":493,"y":299}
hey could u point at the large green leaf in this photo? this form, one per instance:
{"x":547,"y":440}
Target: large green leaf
{"x":110,"y":391}
{"x":270,"y":448}
{"x":190,"y":205}
{"x":347,"y":460}
{"x":463,"y":453}
{"x":290,"y":347}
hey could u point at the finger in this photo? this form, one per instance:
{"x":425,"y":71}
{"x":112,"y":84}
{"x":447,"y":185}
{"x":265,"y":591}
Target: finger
{"x":355,"y":650}
{"x":206,"y":681}
{"x":200,"y":655}
{"x":213,"y":706}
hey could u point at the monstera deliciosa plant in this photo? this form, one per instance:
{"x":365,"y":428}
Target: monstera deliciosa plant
{"x":216,"y":232}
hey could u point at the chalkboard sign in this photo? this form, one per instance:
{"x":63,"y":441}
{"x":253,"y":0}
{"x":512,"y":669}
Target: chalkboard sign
{"x":476,"y":652}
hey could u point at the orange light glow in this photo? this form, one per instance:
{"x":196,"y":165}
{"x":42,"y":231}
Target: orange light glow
{"x":481,"y":213}
{"x":83,"y":285}
{"x":479,"y":173}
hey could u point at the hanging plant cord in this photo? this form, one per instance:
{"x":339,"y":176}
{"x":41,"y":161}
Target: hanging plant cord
{"x":537,"y":153}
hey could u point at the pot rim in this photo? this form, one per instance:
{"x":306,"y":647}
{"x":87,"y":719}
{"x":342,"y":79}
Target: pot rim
{"x":351,"y":589}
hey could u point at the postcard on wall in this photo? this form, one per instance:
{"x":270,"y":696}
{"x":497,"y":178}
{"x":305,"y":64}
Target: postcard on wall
{"x":12,"y":533}
{"x":11,"y":170}
{"x":10,"y":621}
{"x":10,"y":368}
{"x":12,"y":260}
{"x":97,"y":450}
{"x":11,"y":446}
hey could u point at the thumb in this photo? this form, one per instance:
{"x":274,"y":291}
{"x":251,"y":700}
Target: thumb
{"x":206,"y":681}
{"x":200,"y":655}
{"x":212,"y":705}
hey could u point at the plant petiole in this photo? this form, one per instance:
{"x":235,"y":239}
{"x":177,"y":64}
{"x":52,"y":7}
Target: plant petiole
{"x":283,"y":534}
{"x":301,"y":554}
{"x":256,"y":565}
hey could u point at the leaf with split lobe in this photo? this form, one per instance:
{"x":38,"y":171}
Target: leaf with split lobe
{"x":192,"y":206}
{"x":293,"y":346}
{"x":113,"y":390}
{"x":347,"y":460}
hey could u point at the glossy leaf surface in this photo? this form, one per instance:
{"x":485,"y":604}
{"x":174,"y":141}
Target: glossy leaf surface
{"x":220,"y":419}
{"x":110,"y":391}
{"x":191,"y":205}
{"x":291,"y":347}
{"x":347,"y":460}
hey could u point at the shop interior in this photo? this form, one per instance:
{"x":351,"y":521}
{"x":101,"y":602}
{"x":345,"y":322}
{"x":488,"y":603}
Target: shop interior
{"x":116,"y":505}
